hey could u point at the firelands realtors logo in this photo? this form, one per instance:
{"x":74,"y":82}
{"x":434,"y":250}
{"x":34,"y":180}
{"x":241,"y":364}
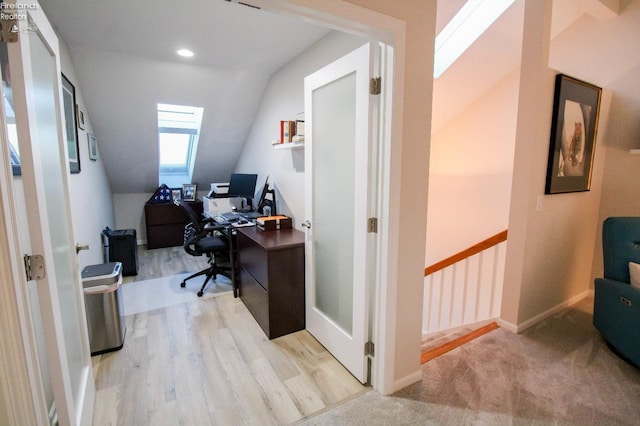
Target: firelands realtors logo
{"x":10,"y":15}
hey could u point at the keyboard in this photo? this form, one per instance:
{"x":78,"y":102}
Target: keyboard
{"x":230,"y":216}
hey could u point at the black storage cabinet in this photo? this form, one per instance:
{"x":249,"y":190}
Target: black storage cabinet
{"x":121,"y":246}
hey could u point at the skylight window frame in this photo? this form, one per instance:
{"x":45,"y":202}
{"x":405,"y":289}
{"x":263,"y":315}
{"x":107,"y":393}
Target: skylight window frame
{"x":181,"y":120}
{"x":174,"y":169}
{"x":471,"y":21}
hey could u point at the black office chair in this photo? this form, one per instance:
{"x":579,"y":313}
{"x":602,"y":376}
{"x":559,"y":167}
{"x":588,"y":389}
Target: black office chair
{"x":199,"y":239}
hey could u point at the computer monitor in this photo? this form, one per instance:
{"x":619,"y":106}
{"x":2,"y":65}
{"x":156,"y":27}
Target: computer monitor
{"x":243,"y":185}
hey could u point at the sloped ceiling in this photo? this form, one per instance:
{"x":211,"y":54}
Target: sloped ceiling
{"x":497,"y":52}
{"x":124,"y":56}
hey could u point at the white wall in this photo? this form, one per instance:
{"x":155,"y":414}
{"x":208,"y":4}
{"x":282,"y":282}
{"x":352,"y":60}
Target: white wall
{"x":549,"y":252}
{"x":613,"y":63}
{"x":89,"y":190}
{"x":470,"y":172}
{"x":283,"y":99}
{"x":129,"y":213}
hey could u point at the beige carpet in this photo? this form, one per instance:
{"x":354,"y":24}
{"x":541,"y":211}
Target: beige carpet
{"x":559,"y":372}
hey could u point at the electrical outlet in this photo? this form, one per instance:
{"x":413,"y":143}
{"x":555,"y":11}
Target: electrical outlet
{"x":539,"y":203}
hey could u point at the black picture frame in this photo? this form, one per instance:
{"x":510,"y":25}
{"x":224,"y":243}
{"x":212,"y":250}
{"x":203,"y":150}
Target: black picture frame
{"x":69,"y":104}
{"x":574,"y":125}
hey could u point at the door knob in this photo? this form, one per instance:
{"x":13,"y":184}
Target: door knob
{"x":306,"y":224}
{"x":81,"y":247}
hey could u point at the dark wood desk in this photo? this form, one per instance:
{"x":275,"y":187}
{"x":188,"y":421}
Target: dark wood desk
{"x":270,"y":278}
{"x":165,"y":223}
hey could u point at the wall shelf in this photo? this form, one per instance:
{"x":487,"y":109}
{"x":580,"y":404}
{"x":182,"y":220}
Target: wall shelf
{"x":289,"y":145}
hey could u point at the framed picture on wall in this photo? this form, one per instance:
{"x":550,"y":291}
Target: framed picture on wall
{"x":574,"y":125}
{"x":93,"y":147}
{"x":69,"y":104}
{"x":80,"y":116}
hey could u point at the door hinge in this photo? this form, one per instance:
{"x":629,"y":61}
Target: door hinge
{"x":369,"y":349}
{"x":375,"y":85}
{"x":372,"y":225}
{"x":34,"y":267}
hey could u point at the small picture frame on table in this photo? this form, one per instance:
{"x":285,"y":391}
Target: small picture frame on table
{"x":189,"y":192}
{"x":176,"y":194}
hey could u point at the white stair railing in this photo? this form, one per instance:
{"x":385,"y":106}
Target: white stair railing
{"x":465,"y":289}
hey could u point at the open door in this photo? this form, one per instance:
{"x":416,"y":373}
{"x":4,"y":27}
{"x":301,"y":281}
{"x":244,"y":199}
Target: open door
{"x":339,"y":175}
{"x":32,"y":114}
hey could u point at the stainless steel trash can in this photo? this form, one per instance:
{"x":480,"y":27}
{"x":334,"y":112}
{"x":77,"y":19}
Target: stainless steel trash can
{"x":103,"y":303}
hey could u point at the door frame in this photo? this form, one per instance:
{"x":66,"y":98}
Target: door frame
{"x":24,"y":390}
{"x":25,"y":393}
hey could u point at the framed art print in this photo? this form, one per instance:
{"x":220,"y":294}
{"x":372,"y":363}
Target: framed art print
{"x":93,"y":147}
{"x":69,"y":104}
{"x":574,"y":125}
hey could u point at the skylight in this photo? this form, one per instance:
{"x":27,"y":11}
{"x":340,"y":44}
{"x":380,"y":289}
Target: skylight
{"x":467,"y":25}
{"x":178,"y":131}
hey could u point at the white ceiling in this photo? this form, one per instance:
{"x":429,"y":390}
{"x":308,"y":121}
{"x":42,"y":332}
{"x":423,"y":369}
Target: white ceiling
{"x":117,"y":48}
{"x":222,"y":34}
{"x":123,"y":54}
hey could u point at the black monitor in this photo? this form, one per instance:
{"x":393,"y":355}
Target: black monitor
{"x":243,"y":185}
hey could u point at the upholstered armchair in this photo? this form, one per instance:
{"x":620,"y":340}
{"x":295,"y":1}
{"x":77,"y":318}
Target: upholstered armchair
{"x":616,"y":311}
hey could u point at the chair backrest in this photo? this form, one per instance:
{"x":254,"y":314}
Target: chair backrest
{"x":193,"y":216}
{"x":192,"y":230}
{"x":620,"y":245}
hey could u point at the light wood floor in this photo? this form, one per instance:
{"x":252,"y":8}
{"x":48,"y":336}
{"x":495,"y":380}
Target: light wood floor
{"x":208,"y":362}
{"x":164,"y":262}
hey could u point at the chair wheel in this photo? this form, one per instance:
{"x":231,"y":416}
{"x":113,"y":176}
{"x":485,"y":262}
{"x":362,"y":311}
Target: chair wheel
{"x":183,"y":284}
{"x":200,"y":293}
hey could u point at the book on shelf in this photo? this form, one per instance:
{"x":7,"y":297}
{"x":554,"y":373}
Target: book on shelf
{"x":287,"y":130}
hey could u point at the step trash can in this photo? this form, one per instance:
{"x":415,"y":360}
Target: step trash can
{"x":121,"y":245}
{"x":102,"y":289}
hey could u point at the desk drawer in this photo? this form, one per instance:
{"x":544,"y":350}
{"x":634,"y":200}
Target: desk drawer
{"x":253,"y":258}
{"x":255,"y":298}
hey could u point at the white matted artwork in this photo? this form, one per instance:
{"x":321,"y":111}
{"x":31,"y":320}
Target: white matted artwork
{"x":93,"y":147}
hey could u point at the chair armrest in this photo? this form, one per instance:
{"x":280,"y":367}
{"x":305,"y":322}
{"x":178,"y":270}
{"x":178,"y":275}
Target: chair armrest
{"x":616,"y":314}
{"x":606,"y":286}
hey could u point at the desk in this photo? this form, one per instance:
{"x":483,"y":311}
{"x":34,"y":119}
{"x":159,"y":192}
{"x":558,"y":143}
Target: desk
{"x":165,"y":223}
{"x":270,"y":278}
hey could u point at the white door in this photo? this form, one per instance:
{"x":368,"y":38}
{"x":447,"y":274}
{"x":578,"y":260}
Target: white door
{"x":32,"y":88}
{"x":339,"y":157}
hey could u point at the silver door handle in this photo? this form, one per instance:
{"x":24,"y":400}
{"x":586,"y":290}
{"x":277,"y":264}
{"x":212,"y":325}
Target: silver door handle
{"x":306,"y":224}
{"x":81,"y":247}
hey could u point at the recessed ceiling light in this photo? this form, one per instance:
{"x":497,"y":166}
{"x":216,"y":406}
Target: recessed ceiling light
{"x":185,"y":53}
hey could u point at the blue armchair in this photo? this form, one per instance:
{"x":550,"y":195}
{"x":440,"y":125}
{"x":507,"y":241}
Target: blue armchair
{"x":616,"y":310}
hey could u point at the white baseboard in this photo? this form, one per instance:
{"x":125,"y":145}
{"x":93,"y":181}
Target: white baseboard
{"x":546,"y":314}
{"x":405,"y":381}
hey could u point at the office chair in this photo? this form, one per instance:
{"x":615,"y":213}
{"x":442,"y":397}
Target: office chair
{"x":199,"y":240}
